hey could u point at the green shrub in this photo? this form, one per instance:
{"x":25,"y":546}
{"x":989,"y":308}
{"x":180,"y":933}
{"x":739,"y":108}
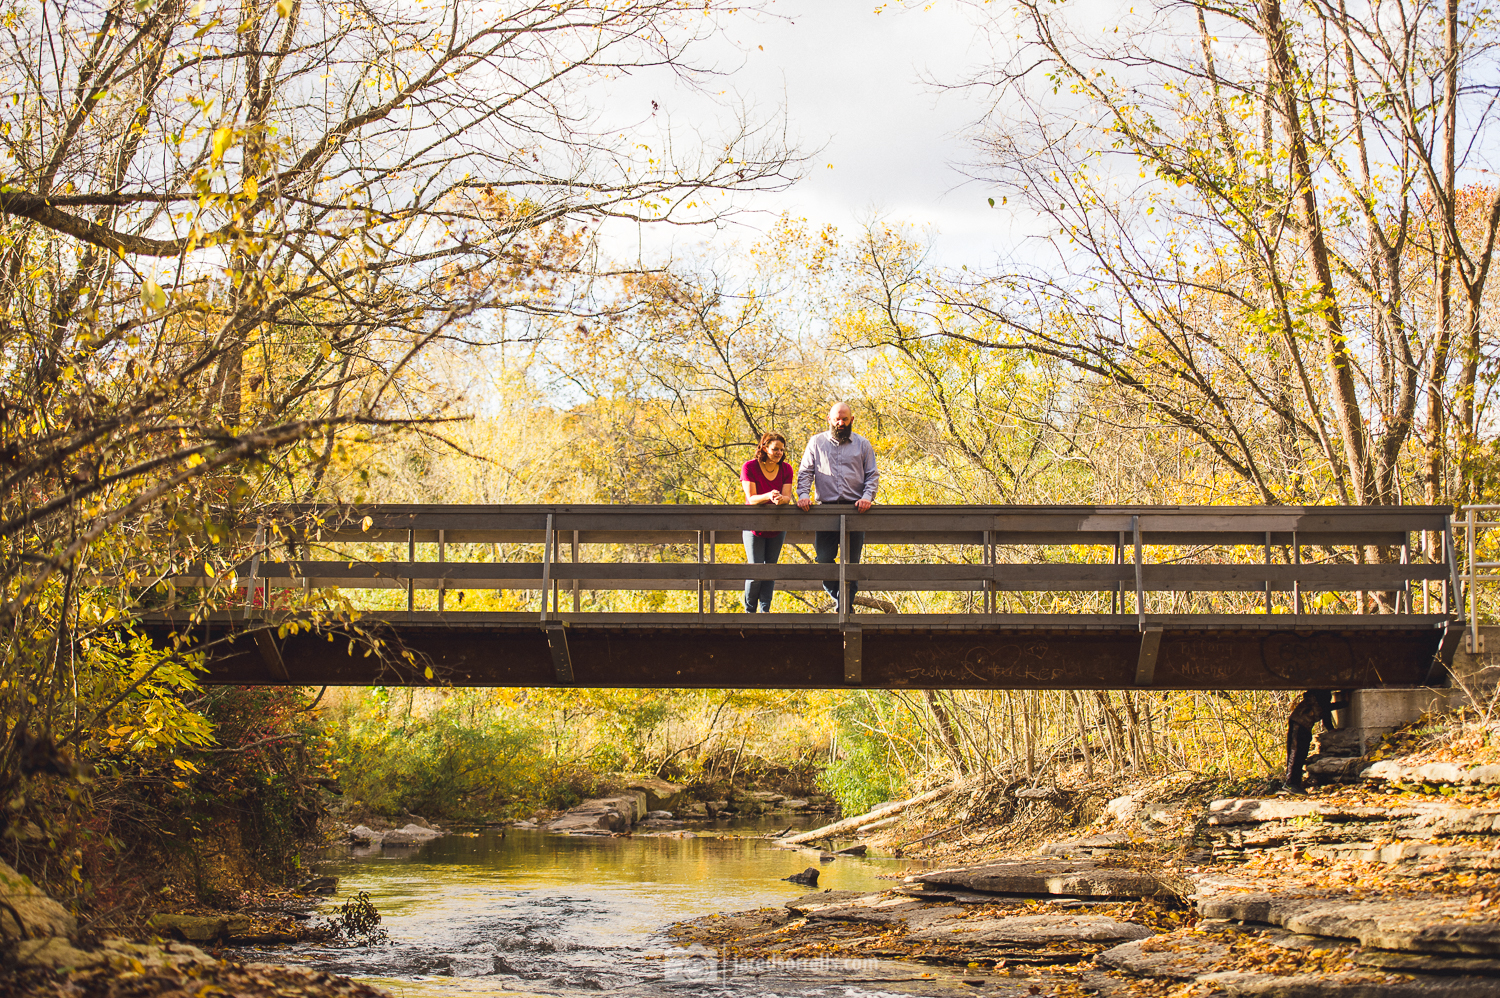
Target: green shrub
{"x":462,"y":758}
{"x":861,"y":779}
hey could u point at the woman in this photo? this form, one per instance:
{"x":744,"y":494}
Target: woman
{"x":767,"y":478}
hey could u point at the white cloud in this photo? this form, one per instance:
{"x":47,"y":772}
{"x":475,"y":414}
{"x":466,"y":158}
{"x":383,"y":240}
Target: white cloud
{"x":851,"y":83}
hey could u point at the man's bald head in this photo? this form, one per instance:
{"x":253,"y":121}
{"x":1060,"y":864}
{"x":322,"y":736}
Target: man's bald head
{"x":840,"y":421}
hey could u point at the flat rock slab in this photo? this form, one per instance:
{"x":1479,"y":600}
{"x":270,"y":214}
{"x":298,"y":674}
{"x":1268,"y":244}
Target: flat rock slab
{"x":1458,"y":821}
{"x":1429,"y":855}
{"x":1085,"y":845}
{"x":1029,"y":930}
{"x":879,"y":909}
{"x":1413,"y":926}
{"x":954,"y":894}
{"x":1356,"y":984}
{"x":1432,"y":772}
{"x":1427,"y":963}
{"x":1075,"y":879}
{"x":800,"y":905}
{"x":1186,"y":954}
{"x":1254,"y":810}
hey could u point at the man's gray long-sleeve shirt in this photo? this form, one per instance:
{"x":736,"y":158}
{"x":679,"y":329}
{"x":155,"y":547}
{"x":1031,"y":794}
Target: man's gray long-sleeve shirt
{"x":843,"y":472}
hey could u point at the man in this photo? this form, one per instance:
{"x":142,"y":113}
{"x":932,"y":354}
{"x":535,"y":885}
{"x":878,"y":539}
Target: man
{"x":841,"y":464}
{"x":1315,"y":706}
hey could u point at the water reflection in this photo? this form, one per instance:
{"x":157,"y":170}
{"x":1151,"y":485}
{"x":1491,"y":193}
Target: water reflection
{"x":528,"y":913}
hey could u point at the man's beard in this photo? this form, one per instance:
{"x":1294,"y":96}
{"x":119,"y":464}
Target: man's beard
{"x":842,"y":433}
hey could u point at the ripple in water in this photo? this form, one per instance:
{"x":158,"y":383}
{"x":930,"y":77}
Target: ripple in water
{"x":526,"y":913}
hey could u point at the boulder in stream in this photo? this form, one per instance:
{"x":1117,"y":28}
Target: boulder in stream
{"x":658,"y":794}
{"x":603,"y":814}
{"x":411,"y":835}
{"x":41,"y":915}
{"x":808,"y":877}
{"x":193,"y":928}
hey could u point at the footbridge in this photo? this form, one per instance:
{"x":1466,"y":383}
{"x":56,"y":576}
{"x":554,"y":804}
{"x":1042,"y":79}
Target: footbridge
{"x":984,"y":597}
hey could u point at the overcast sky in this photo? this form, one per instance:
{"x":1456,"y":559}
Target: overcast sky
{"x":852,"y":84}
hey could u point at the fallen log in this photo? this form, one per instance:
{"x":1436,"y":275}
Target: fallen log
{"x":882,"y":823}
{"x":862,"y":820}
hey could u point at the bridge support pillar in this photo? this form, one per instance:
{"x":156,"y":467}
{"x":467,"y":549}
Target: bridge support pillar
{"x":562,"y":660}
{"x":1145,"y":666}
{"x":1364,"y":717}
{"x":265,"y":643}
{"x":1478,"y":672}
{"x":853,"y":656}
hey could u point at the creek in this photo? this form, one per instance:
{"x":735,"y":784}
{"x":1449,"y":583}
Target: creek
{"x":531,"y":913}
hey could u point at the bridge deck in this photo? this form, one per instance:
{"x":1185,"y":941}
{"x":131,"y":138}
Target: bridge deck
{"x":1261,"y":561}
{"x":808,"y":651}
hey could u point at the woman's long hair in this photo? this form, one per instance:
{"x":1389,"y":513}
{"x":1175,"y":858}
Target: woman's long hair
{"x":761,"y":454}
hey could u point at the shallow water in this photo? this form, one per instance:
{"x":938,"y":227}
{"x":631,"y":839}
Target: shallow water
{"x":529,"y":913}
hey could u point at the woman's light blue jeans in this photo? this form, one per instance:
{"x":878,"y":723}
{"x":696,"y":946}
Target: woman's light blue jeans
{"x":761,"y":551}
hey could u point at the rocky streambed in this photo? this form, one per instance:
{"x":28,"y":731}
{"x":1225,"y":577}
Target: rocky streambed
{"x":654,"y":806}
{"x":1342,"y":893}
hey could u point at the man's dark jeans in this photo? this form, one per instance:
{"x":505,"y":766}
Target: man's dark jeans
{"x":826,"y":544}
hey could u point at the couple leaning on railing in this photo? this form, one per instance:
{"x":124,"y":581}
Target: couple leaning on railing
{"x":839,"y":466}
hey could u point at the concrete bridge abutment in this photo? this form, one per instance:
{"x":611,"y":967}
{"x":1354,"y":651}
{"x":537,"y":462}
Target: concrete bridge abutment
{"x":1369,"y":714}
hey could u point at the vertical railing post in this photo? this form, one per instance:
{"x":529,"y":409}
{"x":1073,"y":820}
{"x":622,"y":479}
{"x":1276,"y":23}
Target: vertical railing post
{"x":1268,"y":581}
{"x":253,"y":588}
{"x":546,"y":566}
{"x":843,"y":568}
{"x":411,"y":559}
{"x":171,"y":570}
{"x":1471,"y":535}
{"x":1450,"y":558}
{"x":713,"y":584}
{"x":1296,"y":576}
{"x":1117,"y":600}
{"x":577,"y":595}
{"x":989,"y":575}
{"x":700,"y":573}
{"x":1140,"y":581}
{"x":1403,"y":598}
{"x":442,"y":560}
{"x":1427,"y":560}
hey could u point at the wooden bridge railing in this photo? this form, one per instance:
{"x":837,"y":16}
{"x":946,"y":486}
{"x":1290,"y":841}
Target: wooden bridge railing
{"x":1266,"y":562}
{"x":984,"y":549}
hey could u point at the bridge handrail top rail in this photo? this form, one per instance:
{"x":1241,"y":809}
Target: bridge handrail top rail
{"x":721,"y":524}
{"x":935,"y":508}
{"x":963,"y":524}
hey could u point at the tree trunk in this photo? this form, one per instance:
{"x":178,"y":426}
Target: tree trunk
{"x":1350,"y":420}
{"x":859,"y":820}
{"x":945,"y":731}
{"x":1083,"y":736}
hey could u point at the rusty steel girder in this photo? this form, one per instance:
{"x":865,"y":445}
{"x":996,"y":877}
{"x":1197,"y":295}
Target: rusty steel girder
{"x":731,"y":651}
